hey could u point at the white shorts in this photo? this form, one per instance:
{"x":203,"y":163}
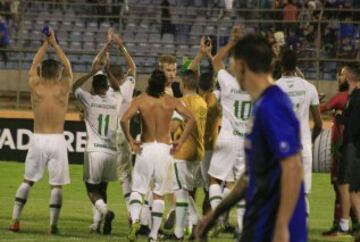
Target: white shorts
{"x":204,"y":168}
{"x":228,"y":161}
{"x":307,"y":161}
{"x":152,"y":167}
{"x":99,"y":167}
{"x":48,"y":150}
{"x":185,"y":175}
{"x":124,"y":162}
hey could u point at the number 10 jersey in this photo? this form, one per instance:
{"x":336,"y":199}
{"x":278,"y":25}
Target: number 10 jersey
{"x":101,"y":119}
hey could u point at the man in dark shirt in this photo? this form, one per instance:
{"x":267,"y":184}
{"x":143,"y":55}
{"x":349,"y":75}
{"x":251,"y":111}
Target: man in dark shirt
{"x":349,"y":170}
{"x":273,"y":183}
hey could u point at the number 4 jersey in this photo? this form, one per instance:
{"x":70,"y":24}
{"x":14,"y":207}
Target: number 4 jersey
{"x":236,"y":105}
{"x":101,"y":118}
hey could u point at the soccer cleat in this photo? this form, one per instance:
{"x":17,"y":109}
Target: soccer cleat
{"x":229,"y":229}
{"x":54,"y":230}
{"x":173,"y":237}
{"x":95,"y":228}
{"x":336,"y":231}
{"x":218,"y":229}
{"x":135,"y":227}
{"x":170,"y":220}
{"x":15,"y":226}
{"x":144,"y":230}
{"x":109,"y":216}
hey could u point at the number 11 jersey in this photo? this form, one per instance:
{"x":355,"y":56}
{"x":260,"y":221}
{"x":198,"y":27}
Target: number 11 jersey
{"x":101,"y":119}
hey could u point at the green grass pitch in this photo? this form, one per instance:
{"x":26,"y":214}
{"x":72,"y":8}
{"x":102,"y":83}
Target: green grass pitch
{"x":76,"y":215}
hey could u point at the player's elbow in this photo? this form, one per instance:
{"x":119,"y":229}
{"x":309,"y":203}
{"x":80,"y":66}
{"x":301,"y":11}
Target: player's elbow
{"x":293,"y":168}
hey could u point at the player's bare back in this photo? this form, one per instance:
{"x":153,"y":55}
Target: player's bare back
{"x":156,"y":114}
{"x":49,"y":101}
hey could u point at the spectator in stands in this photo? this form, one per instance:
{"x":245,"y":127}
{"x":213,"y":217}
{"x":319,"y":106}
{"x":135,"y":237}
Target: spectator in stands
{"x":305,"y":16}
{"x":293,"y":41}
{"x":5,"y":9}
{"x":14,"y":10}
{"x":290,"y":12}
{"x":330,"y":41}
{"x":166,"y":26}
{"x":346,"y":49}
{"x":4,"y":39}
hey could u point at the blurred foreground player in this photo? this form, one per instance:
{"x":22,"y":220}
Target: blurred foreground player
{"x":273,"y":184}
{"x":153,"y":161}
{"x":50,"y":83}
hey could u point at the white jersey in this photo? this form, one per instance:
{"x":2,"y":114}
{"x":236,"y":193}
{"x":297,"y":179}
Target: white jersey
{"x":303,"y":95}
{"x":126,"y":91}
{"x":236,"y":105}
{"x":101,"y":119}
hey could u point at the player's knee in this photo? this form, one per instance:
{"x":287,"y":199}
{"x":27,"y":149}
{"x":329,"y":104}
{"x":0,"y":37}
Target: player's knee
{"x":55,"y":187}
{"x":214,"y":180}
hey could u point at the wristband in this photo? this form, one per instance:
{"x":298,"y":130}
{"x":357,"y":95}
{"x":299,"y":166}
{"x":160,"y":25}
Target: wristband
{"x":123,"y":50}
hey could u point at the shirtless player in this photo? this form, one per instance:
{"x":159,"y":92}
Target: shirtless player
{"x":50,"y":83}
{"x":153,"y":160}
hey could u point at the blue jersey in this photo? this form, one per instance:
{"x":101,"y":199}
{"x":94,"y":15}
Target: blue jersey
{"x":273,"y":136}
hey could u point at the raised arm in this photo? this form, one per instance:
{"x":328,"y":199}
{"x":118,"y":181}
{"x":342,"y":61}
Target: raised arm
{"x":100,"y":58}
{"x":39,"y":56}
{"x":67,"y":74}
{"x":189,"y":124}
{"x":79,"y":82}
{"x":199,"y":56}
{"x":291,"y":178}
{"x":125,"y":125}
{"x":236,"y":34}
{"x":128,"y":59}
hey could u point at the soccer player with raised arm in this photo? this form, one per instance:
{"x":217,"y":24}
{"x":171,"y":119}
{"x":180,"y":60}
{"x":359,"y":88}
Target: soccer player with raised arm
{"x":305,"y":99}
{"x":228,"y":159}
{"x":101,"y":119}
{"x":273,"y":183}
{"x":50,"y":82}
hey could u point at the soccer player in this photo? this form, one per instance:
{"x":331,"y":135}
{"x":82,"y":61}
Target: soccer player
{"x":167,"y":63}
{"x":273,"y":183}
{"x":305,"y":99}
{"x":50,"y":83}
{"x":101,"y":119}
{"x":336,"y":103}
{"x":206,"y":91}
{"x":153,"y":160}
{"x":126,"y":83}
{"x":187,"y":159}
{"x":228,"y":161}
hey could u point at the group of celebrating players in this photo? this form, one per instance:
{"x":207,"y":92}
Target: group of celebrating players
{"x":199,"y":138}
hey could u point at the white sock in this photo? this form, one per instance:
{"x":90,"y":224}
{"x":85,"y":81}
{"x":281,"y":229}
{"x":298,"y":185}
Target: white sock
{"x":126,"y":188}
{"x":55,"y":205}
{"x":182,"y":198}
{"x":156,"y":215}
{"x":21,"y":196}
{"x":240,"y":212}
{"x":96,"y":216}
{"x":215,"y":195}
{"x":193,"y":215}
{"x":136,"y":203}
{"x":307,"y":203}
{"x":145,"y":215}
{"x":344,"y":224}
{"x":101,"y":206}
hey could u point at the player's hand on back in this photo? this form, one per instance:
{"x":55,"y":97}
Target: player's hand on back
{"x":136,"y":146}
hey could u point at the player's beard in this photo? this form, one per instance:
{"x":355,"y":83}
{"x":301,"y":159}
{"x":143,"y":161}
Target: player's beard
{"x":343,"y":86}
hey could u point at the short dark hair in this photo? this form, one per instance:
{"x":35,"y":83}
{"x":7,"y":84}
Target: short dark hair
{"x":256,"y":52}
{"x":189,"y":79}
{"x":116,"y":71}
{"x":288,"y":60}
{"x":206,"y":81}
{"x":156,"y":84}
{"x":99,"y":82}
{"x":50,"y":68}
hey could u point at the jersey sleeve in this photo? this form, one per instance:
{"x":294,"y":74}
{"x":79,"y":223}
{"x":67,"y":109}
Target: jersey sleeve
{"x":282,"y":130}
{"x":314,"y":96}
{"x":83,"y":96}
{"x":127,"y":88}
{"x":225,"y":80}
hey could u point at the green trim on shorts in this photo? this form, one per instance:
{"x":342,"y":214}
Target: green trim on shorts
{"x":177,"y":176}
{"x":155,"y":214}
{"x":136,"y":201}
{"x":215,"y":198}
{"x":182,"y":204}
